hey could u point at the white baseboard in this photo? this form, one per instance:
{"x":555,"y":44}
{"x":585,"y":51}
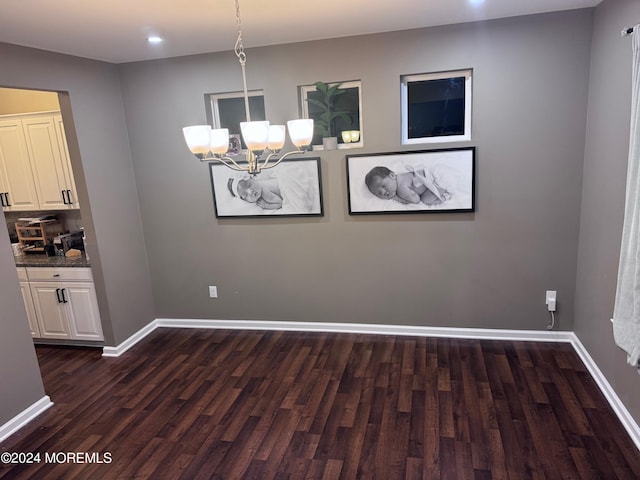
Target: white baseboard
{"x":129,"y":342}
{"x":405,"y":330}
{"x":618,"y":407}
{"x":630,"y":425}
{"x":24,"y":417}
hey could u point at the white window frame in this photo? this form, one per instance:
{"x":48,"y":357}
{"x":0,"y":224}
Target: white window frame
{"x":407,"y":79}
{"x":213,"y":102}
{"x":304,"y":110}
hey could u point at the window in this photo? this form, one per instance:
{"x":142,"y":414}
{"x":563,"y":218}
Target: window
{"x":436,"y":107}
{"x":227,"y":111}
{"x":349,"y":102}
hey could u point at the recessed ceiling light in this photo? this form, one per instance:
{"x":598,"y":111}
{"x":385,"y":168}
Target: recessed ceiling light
{"x":476,"y":2}
{"x":154,"y":39}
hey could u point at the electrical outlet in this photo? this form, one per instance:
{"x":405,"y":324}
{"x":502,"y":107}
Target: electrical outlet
{"x":550,"y":300}
{"x":213,"y":291}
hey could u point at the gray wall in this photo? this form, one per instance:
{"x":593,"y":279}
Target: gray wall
{"x":488,"y":269}
{"x":605,"y":169}
{"x":20,"y":382}
{"x":101,"y":161}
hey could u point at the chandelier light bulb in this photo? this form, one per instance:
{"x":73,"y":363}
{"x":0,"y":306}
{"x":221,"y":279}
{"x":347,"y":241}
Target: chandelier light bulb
{"x":276,"y":137}
{"x":198,"y":138}
{"x":300,"y":132}
{"x":255,"y":134}
{"x":219,"y":143}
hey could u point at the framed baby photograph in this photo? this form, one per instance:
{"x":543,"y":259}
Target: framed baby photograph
{"x":291,"y":189}
{"x":426,"y":181}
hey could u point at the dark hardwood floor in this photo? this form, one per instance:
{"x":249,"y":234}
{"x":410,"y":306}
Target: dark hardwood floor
{"x":208,"y":404}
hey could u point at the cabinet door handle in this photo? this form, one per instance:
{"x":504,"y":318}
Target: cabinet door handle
{"x":58,"y":295}
{"x":69,"y":197}
{"x":64,"y":300}
{"x":2,"y":199}
{"x":64,"y":199}
{"x":6,"y":199}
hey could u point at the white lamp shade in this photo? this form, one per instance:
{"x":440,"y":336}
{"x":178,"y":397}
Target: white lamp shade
{"x":276,"y":137}
{"x":300,"y":131}
{"x":198,"y":138}
{"x":219,"y":141}
{"x":255,"y":134}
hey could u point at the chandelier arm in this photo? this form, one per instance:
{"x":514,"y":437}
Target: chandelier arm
{"x":235,"y":164}
{"x":271,"y":165}
{"x":265,"y":163}
{"x":225,"y":160}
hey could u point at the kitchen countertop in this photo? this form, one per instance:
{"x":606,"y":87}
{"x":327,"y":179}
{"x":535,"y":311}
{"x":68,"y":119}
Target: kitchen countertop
{"x":42,"y":260}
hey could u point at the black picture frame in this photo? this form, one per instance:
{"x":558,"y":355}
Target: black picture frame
{"x":299,"y":181}
{"x":449,"y":171}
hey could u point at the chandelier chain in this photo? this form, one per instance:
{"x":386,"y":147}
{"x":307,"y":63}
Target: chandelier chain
{"x":242,"y":58}
{"x":239,"y":48}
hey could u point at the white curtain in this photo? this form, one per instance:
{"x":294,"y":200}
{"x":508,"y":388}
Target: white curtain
{"x":626,"y":313}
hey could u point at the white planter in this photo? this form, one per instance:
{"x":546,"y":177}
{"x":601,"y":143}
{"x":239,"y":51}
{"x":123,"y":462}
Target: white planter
{"x":330,"y":143}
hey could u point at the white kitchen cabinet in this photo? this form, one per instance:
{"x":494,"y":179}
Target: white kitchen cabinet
{"x":82,"y":311}
{"x":17,"y":184}
{"x":48,"y":154}
{"x":65,"y":303}
{"x":25,"y":289}
{"x":35,"y":168}
{"x":50,"y":311}
{"x":29,"y":307}
{"x":71,"y":192}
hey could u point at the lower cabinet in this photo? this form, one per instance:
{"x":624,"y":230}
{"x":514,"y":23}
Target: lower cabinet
{"x":64,"y":304}
{"x":31,"y":312}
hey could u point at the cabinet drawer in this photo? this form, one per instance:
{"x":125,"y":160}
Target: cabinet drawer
{"x":53,"y":274}
{"x":22,"y":274}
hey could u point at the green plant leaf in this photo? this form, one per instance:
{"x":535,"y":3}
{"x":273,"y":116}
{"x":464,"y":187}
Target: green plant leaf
{"x":323,"y":131}
{"x":327,"y":116}
{"x":317,"y":103}
{"x":323,"y":121}
{"x":334,"y":90}
{"x":345,"y":116}
{"x":321,"y":87}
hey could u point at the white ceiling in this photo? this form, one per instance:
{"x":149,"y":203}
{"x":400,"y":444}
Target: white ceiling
{"x":116,"y":30}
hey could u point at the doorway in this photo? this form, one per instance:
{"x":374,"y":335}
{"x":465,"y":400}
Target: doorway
{"x":44,"y":220}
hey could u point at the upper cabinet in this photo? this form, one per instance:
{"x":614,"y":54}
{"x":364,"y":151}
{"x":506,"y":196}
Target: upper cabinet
{"x":72,"y":196}
{"x":17,"y":186}
{"x":35,"y":170}
{"x":48,"y":153}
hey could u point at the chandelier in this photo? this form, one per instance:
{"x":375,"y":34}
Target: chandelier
{"x":264,"y":141}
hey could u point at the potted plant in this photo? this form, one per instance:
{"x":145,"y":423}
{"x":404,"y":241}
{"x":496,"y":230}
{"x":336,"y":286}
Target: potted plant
{"x":324,"y":123}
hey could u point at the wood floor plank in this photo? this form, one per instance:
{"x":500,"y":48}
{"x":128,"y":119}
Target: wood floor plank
{"x":190,"y":404}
